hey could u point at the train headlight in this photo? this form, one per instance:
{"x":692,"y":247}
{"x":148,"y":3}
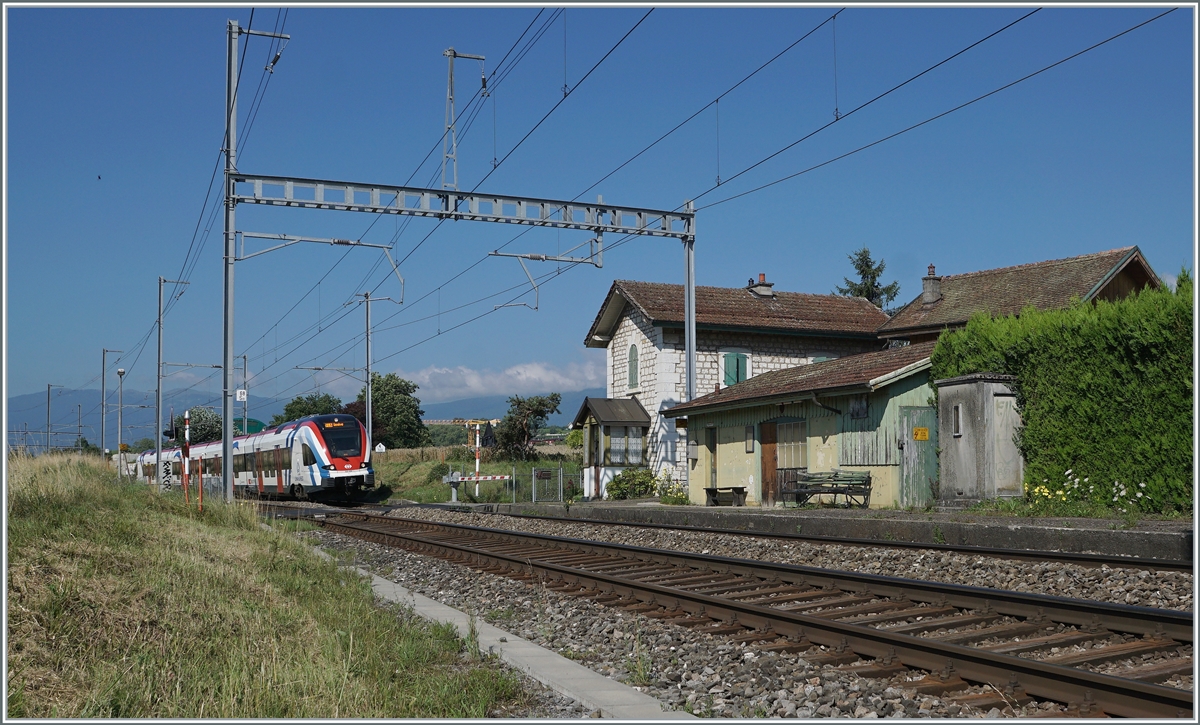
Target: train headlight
{"x":363,"y":464}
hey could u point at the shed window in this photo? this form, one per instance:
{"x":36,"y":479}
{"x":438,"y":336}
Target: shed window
{"x":858,"y":406}
{"x":625,"y":445}
{"x":633,"y":367}
{"x":791,"y":447}
{"x":956,"y":419}
{"x":736,"y":367}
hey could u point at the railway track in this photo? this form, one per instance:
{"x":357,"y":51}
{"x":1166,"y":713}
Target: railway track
{"x":1024,"y":645}
{"x":1091,"y":560}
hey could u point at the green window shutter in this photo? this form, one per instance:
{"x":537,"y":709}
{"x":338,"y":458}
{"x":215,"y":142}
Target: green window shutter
{"x":731,"y":368}
{"x":741,"y":368}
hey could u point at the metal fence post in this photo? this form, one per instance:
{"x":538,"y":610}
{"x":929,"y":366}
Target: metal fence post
{"x":560,"y":489}
{"x":533,"y":483}
{"x":514,"y":483}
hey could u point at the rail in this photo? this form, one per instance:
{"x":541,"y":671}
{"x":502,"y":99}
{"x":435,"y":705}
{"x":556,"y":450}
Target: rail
{"x":852,"y":615}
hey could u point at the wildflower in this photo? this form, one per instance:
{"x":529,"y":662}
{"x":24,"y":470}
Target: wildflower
{"x":1085,"y":480}
{"x":1068,"y":472}
{"x":1139,"y":494}
{"x":1142,"y":485}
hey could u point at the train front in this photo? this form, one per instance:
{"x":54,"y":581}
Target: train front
{"x":343,"y":454}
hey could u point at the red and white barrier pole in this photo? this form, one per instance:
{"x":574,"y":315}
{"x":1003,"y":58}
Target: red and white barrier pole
{"x":477,"y":447}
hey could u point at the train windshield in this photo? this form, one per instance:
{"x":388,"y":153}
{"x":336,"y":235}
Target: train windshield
{"x":342,"y":435}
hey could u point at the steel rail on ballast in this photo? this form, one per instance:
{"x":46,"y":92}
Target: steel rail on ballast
{"x":1065,"y":557}
{"x":1113,"y":695}
{"x":1081,"y":612}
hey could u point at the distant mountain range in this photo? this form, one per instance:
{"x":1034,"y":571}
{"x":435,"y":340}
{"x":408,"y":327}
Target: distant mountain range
{"x":495,"y":406}
{"x":72,"y":408}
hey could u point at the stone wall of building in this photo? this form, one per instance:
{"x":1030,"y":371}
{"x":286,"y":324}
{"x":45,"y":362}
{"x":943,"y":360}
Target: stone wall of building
{"x":662,"y":373}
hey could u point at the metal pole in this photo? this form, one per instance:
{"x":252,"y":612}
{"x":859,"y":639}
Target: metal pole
{"x":158,"y":397}
{"x":477,"y":454}
{"x":79,"y":427}
{"x":246,"y":402}
{"x":120,"y":412}
{"x":47,"y":417}
{"x":450,"y":140}
{"x":514,"y":483}
{"x":370,"y":438}
{"x":533,"y":484}
{"x":103,"y":398}
{"x":689,"y":327}
{"x":232,"y":32}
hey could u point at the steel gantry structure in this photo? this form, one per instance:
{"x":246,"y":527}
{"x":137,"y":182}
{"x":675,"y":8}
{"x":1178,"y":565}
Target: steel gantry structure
{"x":598,"y":218}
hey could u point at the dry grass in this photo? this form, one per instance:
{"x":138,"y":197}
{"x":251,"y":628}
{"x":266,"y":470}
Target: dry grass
{"x":124,"y":603}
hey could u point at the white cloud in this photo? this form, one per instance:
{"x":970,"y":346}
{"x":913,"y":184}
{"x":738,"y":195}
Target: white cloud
{"x":1170,"y":279}
{"x":440,"y":384}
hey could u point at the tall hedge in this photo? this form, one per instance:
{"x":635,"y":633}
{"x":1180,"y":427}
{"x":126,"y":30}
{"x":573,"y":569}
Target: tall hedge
{"x":1104,"y":391}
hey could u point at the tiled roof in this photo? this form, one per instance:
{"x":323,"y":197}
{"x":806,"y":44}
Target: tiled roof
{"x":844,"y":372}
{"x":1006,"y":291}
{"x":739,"y":307}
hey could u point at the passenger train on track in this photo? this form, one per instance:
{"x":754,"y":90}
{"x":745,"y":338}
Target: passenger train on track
{"x":321,"y":456}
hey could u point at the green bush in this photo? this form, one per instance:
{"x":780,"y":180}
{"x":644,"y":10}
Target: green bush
{"x":436,"y":472}
{"x":631,"y":483}
{"x":1105,"y":394}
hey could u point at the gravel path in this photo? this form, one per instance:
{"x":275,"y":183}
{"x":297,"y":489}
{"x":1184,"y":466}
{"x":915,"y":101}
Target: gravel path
{"x":685,"y":669}
{"x":1162,"y":589}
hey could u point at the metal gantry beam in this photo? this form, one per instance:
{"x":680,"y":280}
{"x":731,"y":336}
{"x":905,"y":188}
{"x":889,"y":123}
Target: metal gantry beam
{"x":468,"y":206}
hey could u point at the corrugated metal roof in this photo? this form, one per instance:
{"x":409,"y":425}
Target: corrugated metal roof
{"x":612,"y":411}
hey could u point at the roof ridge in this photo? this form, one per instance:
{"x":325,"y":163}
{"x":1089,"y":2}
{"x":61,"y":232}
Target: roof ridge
{"x":831,"y":295}
{"x":1043,"y":263}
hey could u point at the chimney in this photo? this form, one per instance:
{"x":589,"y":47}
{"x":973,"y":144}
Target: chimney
{"x":761,"y":288}
{"x":931,"y":288}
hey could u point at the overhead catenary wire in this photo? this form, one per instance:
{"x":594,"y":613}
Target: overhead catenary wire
{"x":931,"y":119}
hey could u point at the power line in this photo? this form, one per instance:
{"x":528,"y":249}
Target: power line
{"x":934,"y":118}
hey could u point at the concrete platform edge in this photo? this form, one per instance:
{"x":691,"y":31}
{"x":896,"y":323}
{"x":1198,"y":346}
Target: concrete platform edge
{"x":593,"y":690}
{"x":990,"y":533}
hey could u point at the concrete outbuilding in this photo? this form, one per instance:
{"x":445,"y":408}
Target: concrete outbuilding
{"x":977,"y":424}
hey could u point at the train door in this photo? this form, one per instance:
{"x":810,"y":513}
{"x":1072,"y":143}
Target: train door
{"x":278,"y":470}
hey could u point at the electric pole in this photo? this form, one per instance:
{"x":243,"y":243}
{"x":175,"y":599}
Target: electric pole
{"x":450,"y":139}
{"x":367,"y":300}
{"x":48,"y":386}
{"x":158,"y":386}
{"x":104,"y":396}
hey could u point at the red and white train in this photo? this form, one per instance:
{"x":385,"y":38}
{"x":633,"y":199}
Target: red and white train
{"x":316,"y":457}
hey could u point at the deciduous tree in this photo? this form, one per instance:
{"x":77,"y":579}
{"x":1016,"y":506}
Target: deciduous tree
{"x":514,"y":435}
{"x":303,"y":406}
{"x":395,"y":412}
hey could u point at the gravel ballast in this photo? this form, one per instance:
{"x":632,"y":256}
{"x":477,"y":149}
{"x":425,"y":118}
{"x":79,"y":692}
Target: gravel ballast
{"x":1161,"y":589}
{"x":685,"y":669}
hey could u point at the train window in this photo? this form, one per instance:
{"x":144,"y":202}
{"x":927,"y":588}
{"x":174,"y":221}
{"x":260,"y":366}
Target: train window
{"x":239,"y":463}
{"x":343,"y":442}
{"x":309,"y":458}
{"x":252,"y":462}
{"x":176,"y":469}
{"x":285,"y":461}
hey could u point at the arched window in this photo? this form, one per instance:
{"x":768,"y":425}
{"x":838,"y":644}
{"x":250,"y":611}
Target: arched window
{"x":633,"y":367}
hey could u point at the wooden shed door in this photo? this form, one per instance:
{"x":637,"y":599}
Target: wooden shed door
{"x":770,"y":480}
{"x":920,"y":468}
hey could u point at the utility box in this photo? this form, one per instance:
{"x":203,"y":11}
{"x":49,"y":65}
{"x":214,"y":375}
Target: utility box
{"x":977,"y":425}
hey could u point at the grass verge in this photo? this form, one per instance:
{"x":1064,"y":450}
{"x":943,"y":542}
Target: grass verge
{"x":123,"y":603}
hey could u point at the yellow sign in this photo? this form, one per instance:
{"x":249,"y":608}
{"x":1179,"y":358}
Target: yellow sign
{"x":920,"y":434}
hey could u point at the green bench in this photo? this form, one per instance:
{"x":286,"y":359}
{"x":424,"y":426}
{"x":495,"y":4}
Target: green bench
{"x":731,"y":496}
{"x":801,"y":486}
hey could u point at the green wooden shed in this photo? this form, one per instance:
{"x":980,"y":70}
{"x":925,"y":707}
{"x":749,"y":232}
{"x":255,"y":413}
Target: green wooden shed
{"x":867,"y":412}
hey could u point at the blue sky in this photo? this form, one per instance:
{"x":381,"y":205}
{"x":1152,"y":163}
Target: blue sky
{"x":1095,"y":154}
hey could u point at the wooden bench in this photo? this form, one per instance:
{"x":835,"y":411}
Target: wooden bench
{"x":731,"y":496}
{"x":801,"y":486}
